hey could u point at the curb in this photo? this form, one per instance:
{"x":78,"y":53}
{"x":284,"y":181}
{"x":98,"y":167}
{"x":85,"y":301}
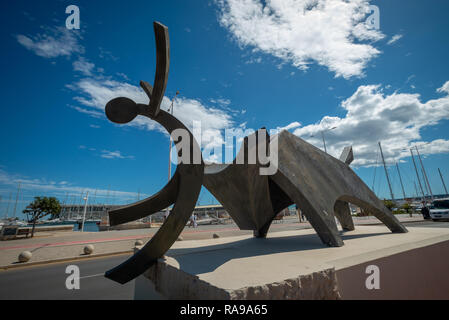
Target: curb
{"x":380,"y":223}
{"x":102,"y":255}
{"x":55,"y":261}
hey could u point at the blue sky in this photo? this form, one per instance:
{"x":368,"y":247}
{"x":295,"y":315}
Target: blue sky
{"x":302,"y":65}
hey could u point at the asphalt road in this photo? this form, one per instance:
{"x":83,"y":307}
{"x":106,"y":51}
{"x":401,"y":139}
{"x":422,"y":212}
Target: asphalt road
{"x":49,"y":282}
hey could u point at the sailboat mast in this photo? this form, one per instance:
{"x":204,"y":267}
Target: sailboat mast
{"x":17,"y":199}
{"x":425,"y":174}
{"x":442,"y":180}
{"x":7,"y":208}
{"x":417,"y":174}
{"x":386,"y":172}
{"x":400,"y":179}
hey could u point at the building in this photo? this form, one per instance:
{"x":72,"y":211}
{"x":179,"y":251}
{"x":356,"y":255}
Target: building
{"x":93,"y":212}
{"x":100,"y":212}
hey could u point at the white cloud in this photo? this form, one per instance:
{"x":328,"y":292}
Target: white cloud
{"x":444,"y":88}
{"x":83,"y":66}
{"x":327,"y":32}
{"x":221,"y":102}
{"x":106,"y":55}
{"x":60,"y":189}
{"x":291,"y":126}
{"x":254,"y":60}
{"x":114,"y":155}
{"x":56,"y":42}
{"x":94,"y":94}
{"x":371,"y":116}
{"x":394,"y":39}
{"x":91,"y":113}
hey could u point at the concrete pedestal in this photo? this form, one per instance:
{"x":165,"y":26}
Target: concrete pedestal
{"x":296,"y":265}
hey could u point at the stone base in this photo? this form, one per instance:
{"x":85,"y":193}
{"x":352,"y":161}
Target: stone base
{"x":295,"y":265}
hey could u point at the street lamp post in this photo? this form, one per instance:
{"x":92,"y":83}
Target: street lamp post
{"x":324,"y":141}
{"x":322,"y":136}
{"x":169,"y":152}
{"x":86,"y":198}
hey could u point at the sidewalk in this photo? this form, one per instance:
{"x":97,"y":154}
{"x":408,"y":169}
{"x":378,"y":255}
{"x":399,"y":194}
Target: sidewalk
{"x":60,"y":246}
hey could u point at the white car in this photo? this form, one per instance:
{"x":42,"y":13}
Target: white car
{"x":440,"y":210}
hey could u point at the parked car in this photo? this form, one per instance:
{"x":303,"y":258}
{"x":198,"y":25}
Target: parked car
{"x":439,"y":210}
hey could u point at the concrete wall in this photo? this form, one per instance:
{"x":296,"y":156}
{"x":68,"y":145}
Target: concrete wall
{"x":421,"y":273}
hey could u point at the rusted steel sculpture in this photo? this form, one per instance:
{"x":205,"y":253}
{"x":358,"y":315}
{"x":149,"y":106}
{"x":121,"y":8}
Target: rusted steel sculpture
{"x":319,"y":184}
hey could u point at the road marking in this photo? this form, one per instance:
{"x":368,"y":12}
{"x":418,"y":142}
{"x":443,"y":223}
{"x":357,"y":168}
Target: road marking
{"x":92,"y":276}
{"x":68,"y":243}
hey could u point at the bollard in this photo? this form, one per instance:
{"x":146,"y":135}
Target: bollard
{"x":25,"y":256}
{"x":88,"y":249}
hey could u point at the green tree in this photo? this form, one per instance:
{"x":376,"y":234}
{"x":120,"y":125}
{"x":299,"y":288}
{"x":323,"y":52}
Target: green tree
{"x":407,"y":207}
{"x":389,"y":204}
{"x":41,"y":207}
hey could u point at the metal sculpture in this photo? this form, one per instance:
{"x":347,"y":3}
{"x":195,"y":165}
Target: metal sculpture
{"x":320,"y":185}
{"x":182,"y":190}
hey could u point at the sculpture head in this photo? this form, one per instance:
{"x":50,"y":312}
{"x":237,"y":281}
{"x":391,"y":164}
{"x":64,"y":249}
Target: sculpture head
{"x":121,"y":110}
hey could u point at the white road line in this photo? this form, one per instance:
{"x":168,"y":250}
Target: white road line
{"x":92,"y":276}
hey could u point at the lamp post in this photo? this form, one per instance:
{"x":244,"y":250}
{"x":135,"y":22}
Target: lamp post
{"x":322,"y":136}
{"x":169,"y":152}
{"x":86,"y":198}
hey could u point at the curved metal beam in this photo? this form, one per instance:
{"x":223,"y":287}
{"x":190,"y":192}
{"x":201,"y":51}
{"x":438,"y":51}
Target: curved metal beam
{"x":148,"y":206}
{"x":162,"y":68}
{"x":190,"y":177}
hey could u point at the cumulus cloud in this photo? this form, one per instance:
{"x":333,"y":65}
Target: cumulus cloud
{"x":327,"y":32}
{"x":94,"y":94}
{"x":55,"y":42}
{"x":371,"y":116}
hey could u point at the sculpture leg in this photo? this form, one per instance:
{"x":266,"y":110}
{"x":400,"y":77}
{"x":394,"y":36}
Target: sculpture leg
{"x":320,"y":217}
{"x":279,"y":201}
{"x":378,"y":209}
{"x":262,"y":232}
{"x":343,"y":214}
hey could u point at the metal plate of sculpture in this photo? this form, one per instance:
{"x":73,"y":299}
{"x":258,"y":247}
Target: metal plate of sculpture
{"x":319,"y":184}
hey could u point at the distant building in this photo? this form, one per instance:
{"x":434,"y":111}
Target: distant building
{"x":100,"y":212}
{"x":94,"y":211}
{"x":214,"y":210}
